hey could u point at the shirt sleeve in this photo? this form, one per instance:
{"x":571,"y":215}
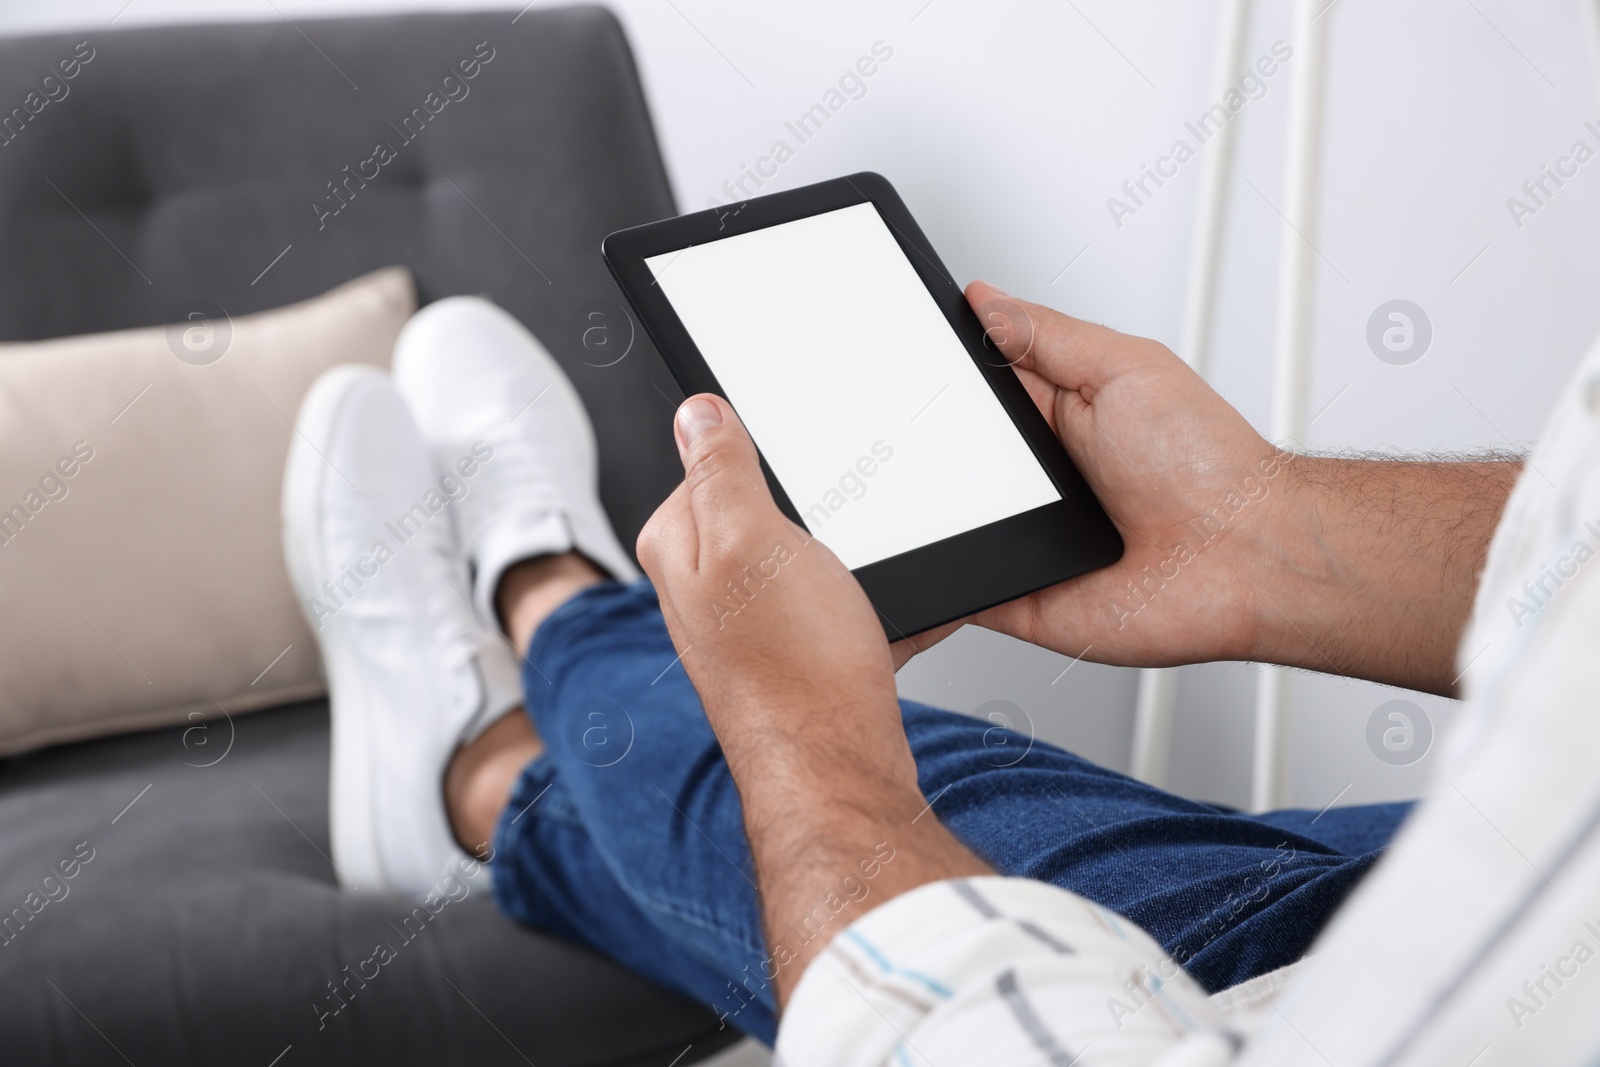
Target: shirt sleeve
{"x":1001,"y":972}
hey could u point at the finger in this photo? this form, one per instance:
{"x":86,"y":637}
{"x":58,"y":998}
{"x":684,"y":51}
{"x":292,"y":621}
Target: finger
{"x":1070,"y":353}
{"x":668,"y":549}
{"x":726,"y":491}
{"x":1043,"y":394}
{"x":668,"y":538}
{"x":903,"y":649}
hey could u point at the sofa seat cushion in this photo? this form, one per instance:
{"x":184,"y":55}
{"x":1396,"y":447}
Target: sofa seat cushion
{"x":168,"y":898}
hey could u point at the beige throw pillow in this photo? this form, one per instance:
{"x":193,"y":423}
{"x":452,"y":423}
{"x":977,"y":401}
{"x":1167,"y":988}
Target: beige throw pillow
{"x":141,"y":570}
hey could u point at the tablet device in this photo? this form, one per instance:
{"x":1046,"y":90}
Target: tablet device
{"x":887,"y":427}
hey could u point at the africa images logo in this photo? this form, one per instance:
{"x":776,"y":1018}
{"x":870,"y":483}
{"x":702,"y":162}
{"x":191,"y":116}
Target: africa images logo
{"x":1399,"y":732}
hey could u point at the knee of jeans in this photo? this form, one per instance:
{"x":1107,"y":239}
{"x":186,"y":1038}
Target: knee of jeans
{"x":539,"y":794}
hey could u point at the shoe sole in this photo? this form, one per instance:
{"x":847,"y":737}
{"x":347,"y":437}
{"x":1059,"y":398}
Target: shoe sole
{"x":351,"y":825}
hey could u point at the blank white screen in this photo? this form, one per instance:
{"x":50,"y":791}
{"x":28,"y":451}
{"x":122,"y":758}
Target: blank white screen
{"x":835,"y":355}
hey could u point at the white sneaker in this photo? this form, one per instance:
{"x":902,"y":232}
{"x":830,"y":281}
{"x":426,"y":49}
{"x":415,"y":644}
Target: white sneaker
{"x":412,"y":672}
{"x":484,"y":388}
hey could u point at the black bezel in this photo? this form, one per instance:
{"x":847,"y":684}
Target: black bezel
{"x":947,"y":579}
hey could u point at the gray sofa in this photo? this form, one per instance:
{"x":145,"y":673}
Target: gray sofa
{"x":208,"y":926}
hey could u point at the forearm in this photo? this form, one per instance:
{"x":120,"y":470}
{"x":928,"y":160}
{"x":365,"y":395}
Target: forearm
{"x":835,"y":830}
{"x":1376,"y":565}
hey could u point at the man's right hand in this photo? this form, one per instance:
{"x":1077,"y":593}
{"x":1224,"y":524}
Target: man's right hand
{"x":1237,"y":549}
{"x":1168,"y":458}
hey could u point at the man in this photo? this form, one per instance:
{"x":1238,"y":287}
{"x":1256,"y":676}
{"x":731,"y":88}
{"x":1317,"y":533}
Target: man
{"x":866,"y":868}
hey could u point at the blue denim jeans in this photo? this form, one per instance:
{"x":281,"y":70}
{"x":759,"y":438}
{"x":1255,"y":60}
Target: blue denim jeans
{"x":626,"y":834}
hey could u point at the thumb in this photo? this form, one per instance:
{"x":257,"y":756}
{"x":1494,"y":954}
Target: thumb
{"x":1067,"y":352}
{"x":721,"y":468}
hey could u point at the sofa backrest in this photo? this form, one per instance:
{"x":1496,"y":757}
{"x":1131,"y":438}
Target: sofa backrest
{"x":145,"y":172}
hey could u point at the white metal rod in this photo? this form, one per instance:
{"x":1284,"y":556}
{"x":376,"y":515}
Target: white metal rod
{"x":1269,"y":771}
{"x":1156,"y":710}
{"x":1216,"y":167}
{"x":1591,"y":28}
{"x":1297,"y":275}
{"x":1154,"y":719}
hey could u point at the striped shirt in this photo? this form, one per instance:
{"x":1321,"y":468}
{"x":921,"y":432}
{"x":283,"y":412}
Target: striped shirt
{"x":1475,"y":942}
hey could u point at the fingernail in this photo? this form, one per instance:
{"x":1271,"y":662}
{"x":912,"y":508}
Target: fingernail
{"x":696,"y":416}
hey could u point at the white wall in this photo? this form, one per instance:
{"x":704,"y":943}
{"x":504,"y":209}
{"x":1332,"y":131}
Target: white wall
{"x":1007,"y":124}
